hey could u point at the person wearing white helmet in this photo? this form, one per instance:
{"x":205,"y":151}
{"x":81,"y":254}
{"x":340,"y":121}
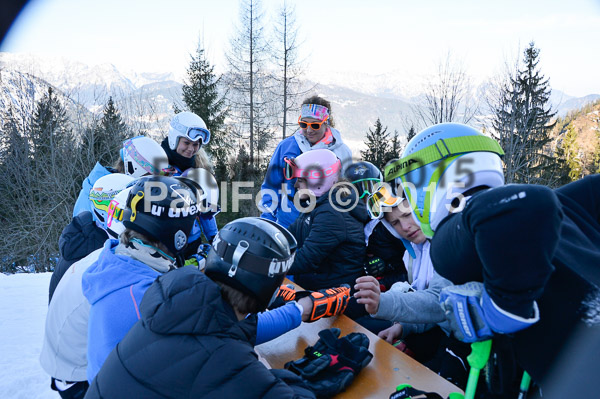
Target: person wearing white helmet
{"x":183,"y":145}
{"x":87,"y":231}
{"x":63,"y":354}
{"x":139,"y":156}
{"x":143,"y":156}
{"x":524,"y":257}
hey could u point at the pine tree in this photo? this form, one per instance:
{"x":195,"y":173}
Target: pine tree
{"x":49,"y":127}
{"x":596,"y":154}
{"x":395,"y":151}
{"x":522,"y":123}
{"x":201,"y":96}
{"x":378,"y":146}
{"x":102,"y":141}
{"x":40,"y":176}
{"x":411,"y":133}
{"x":569,"y":156}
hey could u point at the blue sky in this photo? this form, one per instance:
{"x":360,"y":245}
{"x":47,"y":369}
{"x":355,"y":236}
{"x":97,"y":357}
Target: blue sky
{"x":368,"y":36}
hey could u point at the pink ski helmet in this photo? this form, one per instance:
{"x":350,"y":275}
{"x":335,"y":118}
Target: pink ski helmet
{"x":321,"y":169}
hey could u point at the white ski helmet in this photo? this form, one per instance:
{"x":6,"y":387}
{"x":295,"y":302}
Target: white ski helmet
{"x":208,"y":199}
{"x":190,"y":126}
{"x":114,"y":221}
{"x":441,"y":165}
{"x":105,"y":189}
{"x":143,"y":156}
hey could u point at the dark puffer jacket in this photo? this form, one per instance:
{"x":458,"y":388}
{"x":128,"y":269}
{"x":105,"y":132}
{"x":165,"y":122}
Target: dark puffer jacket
{"x":331,"y":243}
{"x":80,"y":238}
{"x":189,"y":344}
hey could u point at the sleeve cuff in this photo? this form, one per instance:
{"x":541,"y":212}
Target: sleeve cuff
{"x":504,"y":322}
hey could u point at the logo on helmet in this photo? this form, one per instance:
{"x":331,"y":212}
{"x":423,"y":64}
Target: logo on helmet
{"x":399,"y":166}
{"x":278,"y":267}
{"x":180,"y":239}
{"x":360,"y":170}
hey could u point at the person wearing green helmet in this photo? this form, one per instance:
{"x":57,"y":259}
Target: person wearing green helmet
{"x":524,"y":258}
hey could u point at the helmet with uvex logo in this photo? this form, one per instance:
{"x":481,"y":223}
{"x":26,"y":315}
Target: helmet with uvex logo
{"x":164,"y":209}
{"x":252,"y":255}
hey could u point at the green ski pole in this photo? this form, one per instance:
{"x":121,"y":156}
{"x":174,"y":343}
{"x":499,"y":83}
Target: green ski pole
{"x":480,"y":353}
{"x":524,"y":388}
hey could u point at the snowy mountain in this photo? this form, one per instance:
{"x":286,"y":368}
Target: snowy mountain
{"x":21,"y":92}
{"x":146,"y":99}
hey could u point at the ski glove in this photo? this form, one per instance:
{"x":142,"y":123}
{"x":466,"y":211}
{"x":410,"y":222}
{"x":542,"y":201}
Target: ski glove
{"x":474,"y":316}
{"x":461,"y":303}
{"x":375,"y":267}
{"x":328,"y":302}
{"x":325,"y":303}
{"x":285,"y":294}
{"x":330,"y":366}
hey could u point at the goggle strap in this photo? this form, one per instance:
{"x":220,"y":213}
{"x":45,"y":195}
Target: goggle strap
{"x":442,"y":149}
{"x":425,"y":219}
{"x":297,"y":172}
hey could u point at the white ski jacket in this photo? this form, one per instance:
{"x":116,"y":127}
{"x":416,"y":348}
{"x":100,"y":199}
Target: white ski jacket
{"x":64,"y":351}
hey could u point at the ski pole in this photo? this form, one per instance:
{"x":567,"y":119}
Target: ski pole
{"x":524,"y":388}
{"x":480,"y":353}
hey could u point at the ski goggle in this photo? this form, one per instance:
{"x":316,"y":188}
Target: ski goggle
{"x":291,"y":170}
{"x":313,"y":125}
{"x":193,"y":132}
{"x":380,"y":199}
{"x":366,"y":186}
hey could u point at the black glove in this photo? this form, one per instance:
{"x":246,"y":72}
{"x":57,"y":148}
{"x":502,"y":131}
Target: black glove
{"x":330,"y":366}
{"x":375,"y":267}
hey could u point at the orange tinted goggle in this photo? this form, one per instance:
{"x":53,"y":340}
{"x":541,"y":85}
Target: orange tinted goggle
{"x":291,"y":170}
{"x":380,"y":199}
{"x":313,"y":125}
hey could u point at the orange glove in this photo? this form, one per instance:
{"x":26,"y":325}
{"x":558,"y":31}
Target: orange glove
{"x":328,"y":302}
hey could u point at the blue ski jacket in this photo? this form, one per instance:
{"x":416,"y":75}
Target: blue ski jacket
{"x":273,"y":197}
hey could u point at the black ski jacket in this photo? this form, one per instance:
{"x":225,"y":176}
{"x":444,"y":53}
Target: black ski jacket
{"x":552,"y":257}
{"x":331,"y":243}
{"x":189,"y":344}
{"x":80,"y":238}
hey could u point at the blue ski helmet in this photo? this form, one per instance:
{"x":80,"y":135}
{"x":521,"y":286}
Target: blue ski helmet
{"x":441,"y":164}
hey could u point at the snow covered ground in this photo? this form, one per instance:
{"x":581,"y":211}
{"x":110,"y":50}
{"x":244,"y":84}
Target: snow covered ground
{"x":23,"y":306}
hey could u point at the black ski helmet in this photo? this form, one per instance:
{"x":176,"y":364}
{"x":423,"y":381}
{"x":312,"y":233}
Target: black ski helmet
{"x":364,"y":175}
{"x":252,"y":255}
{"x":164,"y":209}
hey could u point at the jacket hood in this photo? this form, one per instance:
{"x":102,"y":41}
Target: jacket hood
{"x":185,"y":301}
{"x":305,"y":145}
{"x":80,"y":237}
{"x":112,"y":272}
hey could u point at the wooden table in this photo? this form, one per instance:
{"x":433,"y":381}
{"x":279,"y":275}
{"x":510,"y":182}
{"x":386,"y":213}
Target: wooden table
{"x":388,"y":368}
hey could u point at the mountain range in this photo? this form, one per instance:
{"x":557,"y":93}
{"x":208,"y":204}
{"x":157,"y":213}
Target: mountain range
{"x":146,"y":99}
